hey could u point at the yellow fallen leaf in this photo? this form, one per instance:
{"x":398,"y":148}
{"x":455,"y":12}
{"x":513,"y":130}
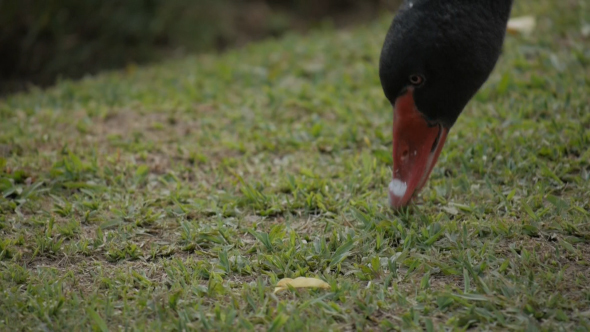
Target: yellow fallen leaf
{"x":522,"y":24}
{"x":301,"y":282}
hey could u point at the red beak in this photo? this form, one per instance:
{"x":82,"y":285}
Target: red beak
{"x":416,"y":147}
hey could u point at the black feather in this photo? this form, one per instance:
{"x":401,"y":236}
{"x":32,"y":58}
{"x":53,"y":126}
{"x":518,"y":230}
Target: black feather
{"x":454,"y":44}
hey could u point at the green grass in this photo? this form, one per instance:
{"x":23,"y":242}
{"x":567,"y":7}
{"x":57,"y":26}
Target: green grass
{"x":174,"y":197}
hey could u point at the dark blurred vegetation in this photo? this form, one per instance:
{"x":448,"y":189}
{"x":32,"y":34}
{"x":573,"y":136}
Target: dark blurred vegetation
{"x":43,"y":40}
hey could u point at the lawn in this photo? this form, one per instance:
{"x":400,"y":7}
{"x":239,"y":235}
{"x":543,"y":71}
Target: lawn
{"x":176,"y":196}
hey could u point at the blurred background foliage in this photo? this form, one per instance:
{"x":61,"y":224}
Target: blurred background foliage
{"x":44,"y":40}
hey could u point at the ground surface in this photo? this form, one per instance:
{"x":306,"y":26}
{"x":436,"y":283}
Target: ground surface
{"x":176,"y":196}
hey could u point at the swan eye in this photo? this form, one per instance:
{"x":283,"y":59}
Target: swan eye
{"x":417,"y":80}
